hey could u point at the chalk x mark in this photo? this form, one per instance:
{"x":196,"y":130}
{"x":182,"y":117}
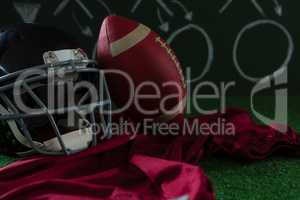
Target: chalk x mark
{"x":64,"y":4}
{"x":160,"y":2}
{"x":27,"y":11}
{"x":225,"y":6}
{"x":60,"y":7}
{"x":136,"y":5}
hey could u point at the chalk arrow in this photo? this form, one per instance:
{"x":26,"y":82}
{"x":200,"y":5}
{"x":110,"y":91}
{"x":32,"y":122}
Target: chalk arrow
{"x":85,"y":9}
{"x":105,"y":6}
{"x":161,"y":3}
{"x":27,"y":11}
{"x":165,"y":7}
{"x":135,"y":6}
{"x":164,"y":25}
{"x":188,"y":14}
{"x":85,"y":30}
{"x":278,"y":8}
{"x":258,"y":8}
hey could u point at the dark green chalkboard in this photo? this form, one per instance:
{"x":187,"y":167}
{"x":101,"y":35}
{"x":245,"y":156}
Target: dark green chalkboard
{"x":220,"y":40}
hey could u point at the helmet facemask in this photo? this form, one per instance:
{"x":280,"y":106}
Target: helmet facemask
{"x":59,"y":108}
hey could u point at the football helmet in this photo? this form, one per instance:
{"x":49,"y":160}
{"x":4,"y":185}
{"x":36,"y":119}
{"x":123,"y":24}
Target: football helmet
{"x":53,"y":99}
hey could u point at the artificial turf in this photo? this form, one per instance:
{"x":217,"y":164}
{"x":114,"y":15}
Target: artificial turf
{"x":276,"y":178}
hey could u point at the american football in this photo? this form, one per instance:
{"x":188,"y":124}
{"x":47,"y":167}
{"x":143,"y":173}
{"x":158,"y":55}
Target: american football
{"x":132,"y":48}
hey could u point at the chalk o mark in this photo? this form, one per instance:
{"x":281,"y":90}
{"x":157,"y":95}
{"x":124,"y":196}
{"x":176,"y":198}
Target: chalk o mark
{"x":209,"y":43}
{"x":250,"y":26}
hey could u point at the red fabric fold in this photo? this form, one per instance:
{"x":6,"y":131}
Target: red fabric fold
{"x":148,"y":167}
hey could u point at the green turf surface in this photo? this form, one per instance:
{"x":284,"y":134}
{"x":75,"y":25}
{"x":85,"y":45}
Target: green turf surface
{"x":275,"y":178}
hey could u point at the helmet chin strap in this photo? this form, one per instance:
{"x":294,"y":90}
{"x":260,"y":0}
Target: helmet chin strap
{"x":75,"y":140}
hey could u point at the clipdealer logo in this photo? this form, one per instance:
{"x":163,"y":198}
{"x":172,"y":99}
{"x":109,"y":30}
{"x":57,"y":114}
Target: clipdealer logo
{"x":277,"y":80}
{"x":280,"y":80}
